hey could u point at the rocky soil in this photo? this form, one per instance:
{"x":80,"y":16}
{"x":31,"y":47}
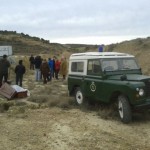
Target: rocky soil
{"x":49,"y":120}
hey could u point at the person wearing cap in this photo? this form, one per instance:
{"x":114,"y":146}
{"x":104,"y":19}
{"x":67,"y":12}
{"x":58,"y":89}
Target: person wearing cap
{"x":4,"y":65}
{"x":19,"y":70}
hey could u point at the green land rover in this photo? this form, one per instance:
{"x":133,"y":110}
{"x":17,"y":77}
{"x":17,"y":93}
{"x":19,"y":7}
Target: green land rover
{"x":109,"y":77}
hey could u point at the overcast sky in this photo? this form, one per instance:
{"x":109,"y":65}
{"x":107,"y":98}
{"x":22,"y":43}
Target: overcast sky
{"x":77,"y":21}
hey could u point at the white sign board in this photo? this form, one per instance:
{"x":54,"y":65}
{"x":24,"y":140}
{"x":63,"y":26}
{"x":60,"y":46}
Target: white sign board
{"x":5,"y":50}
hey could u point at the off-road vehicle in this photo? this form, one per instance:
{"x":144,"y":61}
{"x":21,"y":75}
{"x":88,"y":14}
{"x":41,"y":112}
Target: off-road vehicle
{"x":109,"y":77}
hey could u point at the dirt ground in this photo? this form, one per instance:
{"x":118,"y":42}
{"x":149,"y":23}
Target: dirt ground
{"x":49,"y":120}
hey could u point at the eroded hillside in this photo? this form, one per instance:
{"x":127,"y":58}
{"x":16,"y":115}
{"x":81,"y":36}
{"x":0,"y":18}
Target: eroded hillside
{"x":140,"y":48}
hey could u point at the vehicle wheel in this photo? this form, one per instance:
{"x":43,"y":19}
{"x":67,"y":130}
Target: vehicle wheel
{"x":79,"y":97}
{"x":124,"y":109}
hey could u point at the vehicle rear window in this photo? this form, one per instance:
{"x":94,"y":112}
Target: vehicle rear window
{"x":94,"y":67}
{"x":77,"y":67}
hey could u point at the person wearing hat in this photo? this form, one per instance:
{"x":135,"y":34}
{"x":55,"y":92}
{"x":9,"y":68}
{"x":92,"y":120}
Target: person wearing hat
{"x":4,"y":65}
{"x":19,"y":70}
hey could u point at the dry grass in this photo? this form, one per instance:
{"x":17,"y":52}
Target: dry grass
{"x":104,"y":111}
{"x":53,"y":95}
{"x":5,"y":105}
{"x":31,"y":86}
{"x":108,"y":113}
{"x":39,"y":98}
{"x":52,"y":101}
{"x":62,"y":102}
{"x":17,"y":110}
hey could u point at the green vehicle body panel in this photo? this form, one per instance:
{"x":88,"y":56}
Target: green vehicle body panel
{"x":106,"y":86}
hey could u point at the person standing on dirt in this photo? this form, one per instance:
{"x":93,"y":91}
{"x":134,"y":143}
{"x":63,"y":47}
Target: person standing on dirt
{"x":51,"y":66}
{"x":31,"y":59}
{"x":54,"y":58}
{"x":63,"y":67}
{"x":4,"y":65}
{"x":19,"y":70}
{"x":45,"y":71}
{"x":37,"y":63}
{"x":57,"y":68}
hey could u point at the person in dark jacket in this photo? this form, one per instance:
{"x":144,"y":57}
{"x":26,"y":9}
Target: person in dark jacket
{"x":4,"y":65}
{"x":37,"y":64}
{"x":31,"y":59}
{"x":19,"y":70}
{"x":45,"y":70}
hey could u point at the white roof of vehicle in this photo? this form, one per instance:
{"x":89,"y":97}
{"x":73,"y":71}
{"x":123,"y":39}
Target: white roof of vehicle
{"x":88,"y":55}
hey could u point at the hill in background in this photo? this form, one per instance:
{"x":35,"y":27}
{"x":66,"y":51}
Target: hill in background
{"x":26,"y":45}
{"x":140,"y":48}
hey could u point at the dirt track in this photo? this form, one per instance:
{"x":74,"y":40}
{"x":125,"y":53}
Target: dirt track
{"x":68,"y":127}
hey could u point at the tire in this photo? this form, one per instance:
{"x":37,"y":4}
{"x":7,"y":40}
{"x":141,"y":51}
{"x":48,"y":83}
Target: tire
{"x":79,"y":97}
{"x":124,"y":109}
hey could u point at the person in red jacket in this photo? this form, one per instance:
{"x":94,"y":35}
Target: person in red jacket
{"x":57,"y":68}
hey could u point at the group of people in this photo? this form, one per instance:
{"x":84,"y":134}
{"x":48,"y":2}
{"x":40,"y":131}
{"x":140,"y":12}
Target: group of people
{"x":4,"y":66}
{"x":48,"y":69}
{"x":44,"y":69}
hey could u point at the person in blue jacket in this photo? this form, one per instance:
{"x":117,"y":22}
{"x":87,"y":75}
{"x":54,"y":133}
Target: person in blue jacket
{"x":51,"y":66}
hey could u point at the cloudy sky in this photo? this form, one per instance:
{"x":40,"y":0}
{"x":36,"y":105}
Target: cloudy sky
{"x":77,"y":21}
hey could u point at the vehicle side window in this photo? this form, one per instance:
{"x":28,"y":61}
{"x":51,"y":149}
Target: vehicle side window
{"x":129,"y":64}
{"x":110,"y":65}
{"x":77,"y":66}
{"x":94,"y":67}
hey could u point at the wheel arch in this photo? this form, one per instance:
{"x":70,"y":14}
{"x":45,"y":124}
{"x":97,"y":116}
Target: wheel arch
{"x":114,"y":96}
{"x":72,"y":92}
